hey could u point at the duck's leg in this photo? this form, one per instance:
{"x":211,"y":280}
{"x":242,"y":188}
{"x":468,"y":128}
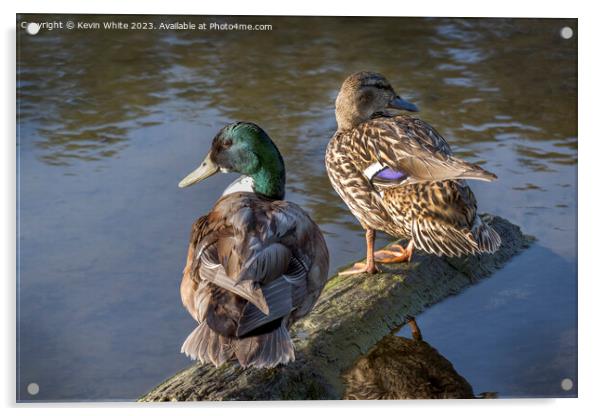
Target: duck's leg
{"x":416,"y":334}
{"x":369,"y":266}
{"x":395,"y":253}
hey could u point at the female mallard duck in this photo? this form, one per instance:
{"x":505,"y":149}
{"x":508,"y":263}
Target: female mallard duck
{"x":256,"y":263}
{"x":399,"y":368}
{"x":398,"y":175}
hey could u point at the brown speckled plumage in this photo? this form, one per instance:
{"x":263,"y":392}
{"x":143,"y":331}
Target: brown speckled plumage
{"x":431,"y":204}
{"x":400,"y":368}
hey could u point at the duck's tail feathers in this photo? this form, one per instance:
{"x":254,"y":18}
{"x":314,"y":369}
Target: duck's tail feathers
{"x":207,"y":346}
{"x":261,"y":351}
{"x":265,"y":350}
{"x":486,"y":237}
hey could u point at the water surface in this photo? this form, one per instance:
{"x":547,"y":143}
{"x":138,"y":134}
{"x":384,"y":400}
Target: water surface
{"x":110,"y":121}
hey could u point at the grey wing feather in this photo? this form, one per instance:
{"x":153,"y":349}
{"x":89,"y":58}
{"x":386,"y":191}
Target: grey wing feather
{"x":278,"y":295}
{"x":266,"y":264}
{"x":296,"y":272}
{"x":212,"y":271}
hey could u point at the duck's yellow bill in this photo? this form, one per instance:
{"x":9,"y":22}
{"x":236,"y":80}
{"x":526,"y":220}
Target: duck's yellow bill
{"x":206,"y":169}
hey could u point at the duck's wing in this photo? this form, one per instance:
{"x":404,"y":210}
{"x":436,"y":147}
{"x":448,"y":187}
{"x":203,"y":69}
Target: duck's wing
{"x":231,"y":253}
{"x":409,"y":150}
{"x":253,"y":248}
{"x":308,"y":269}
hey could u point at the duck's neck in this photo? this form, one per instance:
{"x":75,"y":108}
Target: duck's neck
{"x":270,"y":179}
{"x":346,"y":121}
{"x":269,"y":183}
{"x":348,"y":114}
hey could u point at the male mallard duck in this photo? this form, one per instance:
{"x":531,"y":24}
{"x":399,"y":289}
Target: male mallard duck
{"x":398,"y":175}
{"x":256,"y":263}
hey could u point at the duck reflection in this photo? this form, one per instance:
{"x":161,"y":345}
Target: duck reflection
{"x":402,"y":368}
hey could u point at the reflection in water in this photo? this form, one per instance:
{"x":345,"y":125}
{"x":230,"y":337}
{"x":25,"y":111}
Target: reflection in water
{"x":514,"y":333}
{"x":402,"y":368}
{"x":109,"y":121}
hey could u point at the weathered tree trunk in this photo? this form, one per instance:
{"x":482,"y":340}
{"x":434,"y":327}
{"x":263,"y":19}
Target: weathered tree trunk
{"x":352,"y":314}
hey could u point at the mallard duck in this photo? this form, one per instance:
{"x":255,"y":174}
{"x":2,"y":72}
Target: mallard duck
{"x":398,"y":175}
{"x":256,"y":263}
{"x":401,"y":368}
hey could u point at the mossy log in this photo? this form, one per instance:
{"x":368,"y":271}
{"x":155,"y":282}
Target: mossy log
{"x":352,"y":315}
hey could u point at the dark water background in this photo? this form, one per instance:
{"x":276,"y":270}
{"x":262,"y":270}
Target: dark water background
{"x":110,"y":121}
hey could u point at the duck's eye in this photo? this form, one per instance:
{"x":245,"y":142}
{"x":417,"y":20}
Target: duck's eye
{"x":227,"y":143}
{"x":366,"y":96}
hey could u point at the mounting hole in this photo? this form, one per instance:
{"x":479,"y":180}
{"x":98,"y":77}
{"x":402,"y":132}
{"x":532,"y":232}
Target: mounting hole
{"x":566,"y":384}
{"x":33,"y":388}
{"x":566,"y":32}
{"x":32,"y":28}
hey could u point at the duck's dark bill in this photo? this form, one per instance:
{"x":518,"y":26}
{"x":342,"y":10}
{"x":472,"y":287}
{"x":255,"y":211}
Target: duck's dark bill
{"x":401,"y":104}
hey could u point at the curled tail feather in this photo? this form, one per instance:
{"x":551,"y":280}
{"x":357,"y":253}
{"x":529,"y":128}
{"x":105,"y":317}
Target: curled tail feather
{"x":261,"y":351}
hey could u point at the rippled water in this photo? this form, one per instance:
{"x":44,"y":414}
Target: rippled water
{"x":109,"y":122}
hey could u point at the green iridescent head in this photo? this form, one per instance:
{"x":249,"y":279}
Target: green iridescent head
{"x":244,"y":148}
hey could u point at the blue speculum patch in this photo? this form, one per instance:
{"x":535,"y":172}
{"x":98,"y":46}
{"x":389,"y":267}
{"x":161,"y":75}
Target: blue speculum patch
{"x":391,"y":175}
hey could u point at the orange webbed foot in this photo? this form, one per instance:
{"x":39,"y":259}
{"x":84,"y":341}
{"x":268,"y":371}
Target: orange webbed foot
{"x":394,"y":254}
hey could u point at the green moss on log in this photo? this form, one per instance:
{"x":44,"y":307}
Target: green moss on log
{"x":352,"y":315}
